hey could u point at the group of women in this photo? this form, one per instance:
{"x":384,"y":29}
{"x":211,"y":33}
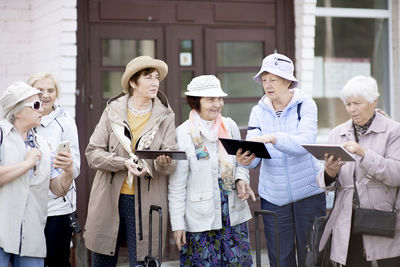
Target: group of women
{"x":207,"y":194}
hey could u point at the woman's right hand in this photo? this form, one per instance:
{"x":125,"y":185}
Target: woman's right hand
{"x":246,"y":158}
{"x":134,"y":168}
{"x":332,"y":165}
{"x":180,"y":238}
{"x":32,"y":156}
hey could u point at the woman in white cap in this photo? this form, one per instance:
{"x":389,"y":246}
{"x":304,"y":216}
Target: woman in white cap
{"x":207,"y":193}
{"x":26,"y":170}
{"x":139,"y":118}
{"x":284,"y":119}
{"x":57,"y":126}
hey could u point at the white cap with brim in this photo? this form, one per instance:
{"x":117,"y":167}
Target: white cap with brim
{"x":278,"y":65}
{"x":205,"y":86}
{"x":15,"y":93}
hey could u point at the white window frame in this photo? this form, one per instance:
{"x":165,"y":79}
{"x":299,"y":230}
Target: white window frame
{"x":372,"y":14}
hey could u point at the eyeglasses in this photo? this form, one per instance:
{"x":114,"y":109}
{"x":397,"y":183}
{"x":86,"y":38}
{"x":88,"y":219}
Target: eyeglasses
{"x":36,"y":105}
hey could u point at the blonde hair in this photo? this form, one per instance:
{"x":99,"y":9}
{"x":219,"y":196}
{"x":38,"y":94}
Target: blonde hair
{"x":44,"y":75}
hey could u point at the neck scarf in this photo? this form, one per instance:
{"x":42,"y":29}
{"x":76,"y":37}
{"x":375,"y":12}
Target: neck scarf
{"x":199,"y":128}
{"x":360,"y":130}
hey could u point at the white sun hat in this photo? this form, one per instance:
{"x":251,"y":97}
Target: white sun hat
{"x":278,"y":65}
{"x":205,"y":86}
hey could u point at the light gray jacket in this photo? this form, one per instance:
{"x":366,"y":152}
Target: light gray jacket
{"x":377,"y":176}
{"x":23,"y":202}
{"x":193,"y":190}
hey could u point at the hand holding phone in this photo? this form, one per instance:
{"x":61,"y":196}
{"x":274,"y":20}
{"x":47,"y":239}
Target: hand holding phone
{"x":63,"y":147}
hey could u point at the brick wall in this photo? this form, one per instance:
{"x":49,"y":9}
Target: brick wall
{"x":39,"y":35}
{"x":304,"y":43}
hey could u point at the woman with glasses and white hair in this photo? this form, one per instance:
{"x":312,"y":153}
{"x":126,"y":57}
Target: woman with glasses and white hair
{"x":27,"y":169}
{"x":374,"y":141}
{"x":57,"y":126}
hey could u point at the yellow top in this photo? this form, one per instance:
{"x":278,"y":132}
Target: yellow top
{"x":136,"y":121}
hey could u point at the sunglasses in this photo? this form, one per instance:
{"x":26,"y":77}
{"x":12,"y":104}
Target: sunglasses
{"x":36,"y":105}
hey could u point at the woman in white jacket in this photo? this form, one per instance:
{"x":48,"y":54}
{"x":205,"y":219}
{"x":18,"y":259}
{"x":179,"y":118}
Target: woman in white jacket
{"x":57,"y":126}
{"x":208,"y":191}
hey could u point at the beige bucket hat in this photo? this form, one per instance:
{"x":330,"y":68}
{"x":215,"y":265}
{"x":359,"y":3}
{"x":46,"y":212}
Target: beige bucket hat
{"x":139,"y":63}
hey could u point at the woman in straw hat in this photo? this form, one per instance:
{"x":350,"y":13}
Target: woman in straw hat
{"x":26,"y":170}
{"x":284,"y":119}
{"x":207,"y":193}
{"x":57,"y":126}
{"x":124,"y":186}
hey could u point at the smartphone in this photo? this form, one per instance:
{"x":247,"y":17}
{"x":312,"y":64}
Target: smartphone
{"x":63,"y":147}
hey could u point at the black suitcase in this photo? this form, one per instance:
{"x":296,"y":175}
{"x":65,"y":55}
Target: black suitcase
{"x":257,"y":214}
{"x":149,"y":260}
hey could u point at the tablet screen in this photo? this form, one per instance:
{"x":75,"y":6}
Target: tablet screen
{"x":153,"y":154}
{"x":319,"y":150}
{"x":232,"y":145}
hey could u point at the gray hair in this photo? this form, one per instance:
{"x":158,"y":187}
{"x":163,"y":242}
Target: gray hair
{"x":11,"y":115}
{"x":361,"y":86}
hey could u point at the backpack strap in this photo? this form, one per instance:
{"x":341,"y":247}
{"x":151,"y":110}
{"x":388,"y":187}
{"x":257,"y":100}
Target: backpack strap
{"x":298,"y":110}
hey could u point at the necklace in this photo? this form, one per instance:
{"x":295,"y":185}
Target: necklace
{"x":137,"y":112}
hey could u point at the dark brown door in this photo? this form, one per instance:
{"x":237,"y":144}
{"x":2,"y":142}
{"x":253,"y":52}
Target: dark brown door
{"x":194,"y":38}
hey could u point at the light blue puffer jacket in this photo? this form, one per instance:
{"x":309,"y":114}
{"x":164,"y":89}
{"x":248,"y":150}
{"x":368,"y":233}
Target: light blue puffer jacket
{"x":290,"y":174}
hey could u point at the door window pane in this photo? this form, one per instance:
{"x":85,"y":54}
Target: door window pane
{"x":186,"y":53}
{"x":186,"y":77}
{"x":240,"y":84}
{"x":344,"y":48}
{"x":372,"y":4}
{"x":111,"y":83}
{"x":239,"y":112}
{"x":118,"y":52}
{"x":239,"y":54}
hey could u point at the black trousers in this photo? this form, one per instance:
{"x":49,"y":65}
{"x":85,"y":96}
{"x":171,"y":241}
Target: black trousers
{"x":58,"y":239}
{"x":356,"y":256}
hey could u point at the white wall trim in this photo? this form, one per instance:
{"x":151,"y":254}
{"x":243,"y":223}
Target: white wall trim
{"x":352,"y":12}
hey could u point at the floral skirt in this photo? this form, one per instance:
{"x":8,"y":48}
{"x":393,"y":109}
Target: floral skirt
{"x":229,"y":246}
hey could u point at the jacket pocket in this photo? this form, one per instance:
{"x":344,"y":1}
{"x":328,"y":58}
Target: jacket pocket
{"x":201,"y":204}
{"x":113,"y":142}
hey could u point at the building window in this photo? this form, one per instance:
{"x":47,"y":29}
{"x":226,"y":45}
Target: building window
{"x":351,"y":38}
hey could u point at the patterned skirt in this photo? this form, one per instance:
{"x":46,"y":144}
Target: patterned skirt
{"x":229,"y":246}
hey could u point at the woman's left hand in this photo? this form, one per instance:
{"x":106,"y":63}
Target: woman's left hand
{"x":244,"y":190}
{"x":63,"y":160}
{"x":266,"y":138}
{"x":164,"y":160}
{"x":354,"y":148}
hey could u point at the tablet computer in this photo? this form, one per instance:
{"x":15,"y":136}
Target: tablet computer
{"x":232,"y":145}
{"x":338,"y":151}
{"x":153,"y":154}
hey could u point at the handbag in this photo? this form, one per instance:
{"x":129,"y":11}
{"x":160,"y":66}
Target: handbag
{"x":313,"y":257}
{"x":371,"y":221}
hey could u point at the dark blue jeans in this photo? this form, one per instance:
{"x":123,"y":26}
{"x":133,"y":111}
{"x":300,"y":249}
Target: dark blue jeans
{"x":293,"y":221}
{"x":58,"y":240}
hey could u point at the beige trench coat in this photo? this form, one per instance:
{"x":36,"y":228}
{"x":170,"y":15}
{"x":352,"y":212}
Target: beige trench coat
{"x":105,"y":154}
{"x":377,"y":176}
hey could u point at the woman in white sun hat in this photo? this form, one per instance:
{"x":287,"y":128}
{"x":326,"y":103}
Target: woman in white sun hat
{"x":27,"y":170}
{"x":207,"y":193}
{"x":284,"y":119}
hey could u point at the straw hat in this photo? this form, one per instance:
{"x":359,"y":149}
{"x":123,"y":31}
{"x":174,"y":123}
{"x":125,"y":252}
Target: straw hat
{"x":139,"y":63}
{"x":278,"y":65}
{"x":15,"y":93}
{"x":205,"y":86}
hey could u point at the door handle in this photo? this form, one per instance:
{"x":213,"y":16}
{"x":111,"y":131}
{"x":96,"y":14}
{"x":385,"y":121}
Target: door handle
{"x":91,"y":102}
